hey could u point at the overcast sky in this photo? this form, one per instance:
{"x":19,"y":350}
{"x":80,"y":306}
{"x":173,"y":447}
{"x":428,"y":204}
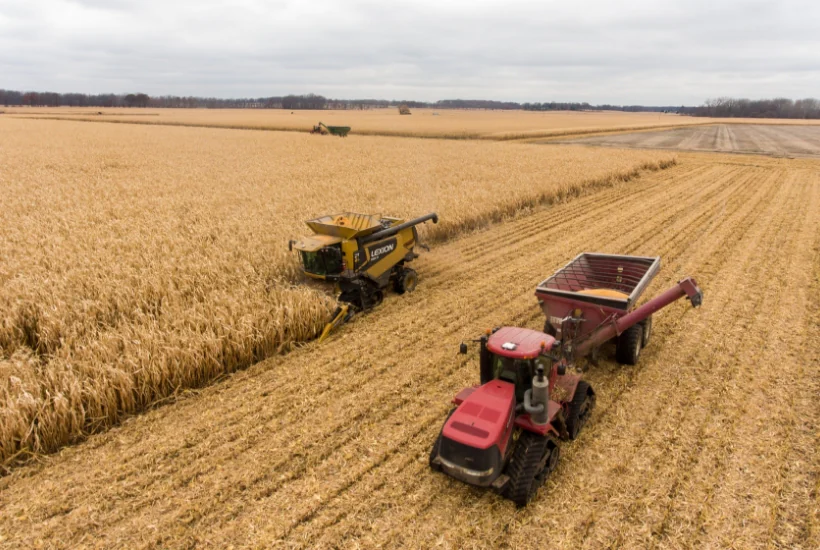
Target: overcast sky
{"x":630,"y":52}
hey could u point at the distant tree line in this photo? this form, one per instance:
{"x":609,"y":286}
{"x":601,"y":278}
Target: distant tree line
{"x":757,"y":108}
{"x":564,"y":106}
{"x":290,"y":102}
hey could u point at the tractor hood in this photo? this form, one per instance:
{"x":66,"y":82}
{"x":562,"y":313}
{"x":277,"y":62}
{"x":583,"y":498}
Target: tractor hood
{"x":315,"y":242}
{"x":484,"y":417}
{"x":476,"y":437}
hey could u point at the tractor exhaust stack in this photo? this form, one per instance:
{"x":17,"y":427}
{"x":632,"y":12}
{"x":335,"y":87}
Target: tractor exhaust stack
{"x":540,"y":396}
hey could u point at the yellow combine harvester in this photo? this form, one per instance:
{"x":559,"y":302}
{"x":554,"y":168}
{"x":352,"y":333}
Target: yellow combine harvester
{"x":363,"y":254}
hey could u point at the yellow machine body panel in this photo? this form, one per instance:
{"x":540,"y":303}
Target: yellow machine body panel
{"x":346,"y":225}
{"x":315,"y":242}
{"x":380,"y":256}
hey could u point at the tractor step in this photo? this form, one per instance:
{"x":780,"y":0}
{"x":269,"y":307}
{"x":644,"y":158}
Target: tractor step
{"x":500,"y":483}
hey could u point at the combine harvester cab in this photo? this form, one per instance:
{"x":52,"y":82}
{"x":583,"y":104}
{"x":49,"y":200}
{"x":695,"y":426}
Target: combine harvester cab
{"x":363,"y":254}
{"x":505,"y":433}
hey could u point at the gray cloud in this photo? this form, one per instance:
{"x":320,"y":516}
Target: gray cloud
{"x":651,"y":52}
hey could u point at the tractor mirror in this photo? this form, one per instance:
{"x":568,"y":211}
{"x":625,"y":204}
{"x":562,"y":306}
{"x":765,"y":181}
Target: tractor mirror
{"x":462,"y":349}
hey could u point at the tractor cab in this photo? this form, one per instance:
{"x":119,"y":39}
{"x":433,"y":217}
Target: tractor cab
{"x":513,"y":354}
{"x":334,"y":245}
{"x":321,"y":256}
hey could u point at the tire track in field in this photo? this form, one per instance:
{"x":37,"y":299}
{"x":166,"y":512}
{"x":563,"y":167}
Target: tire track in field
{"x":636,"y":427}
{"x":662,"y":461}
{"x":448,"y":395}
{"x":692,"y":416}
{"x":784,"y":233}
{"x":371,"y":424}
{"x":599,"y":414}
{"x":764,"y":431}
{"x":598,"y":418}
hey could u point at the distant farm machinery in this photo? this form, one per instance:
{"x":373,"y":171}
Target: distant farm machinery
{"x":324,"y":130}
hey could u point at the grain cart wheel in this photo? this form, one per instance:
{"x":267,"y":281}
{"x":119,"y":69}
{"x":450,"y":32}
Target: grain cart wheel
{"x":529,"y":459}
{"x":628,"y":347}
{"x":582,"y":404}
{"x":647,"y":330}
{"x":549,"y":329}
{"x":406,"y":281}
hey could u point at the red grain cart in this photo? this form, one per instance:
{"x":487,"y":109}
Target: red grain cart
{"x":592,"y":299}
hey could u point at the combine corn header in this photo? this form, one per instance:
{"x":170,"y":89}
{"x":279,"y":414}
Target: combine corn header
{"x":363,"y":254}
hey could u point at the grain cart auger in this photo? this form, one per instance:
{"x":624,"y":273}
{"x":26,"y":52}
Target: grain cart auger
{"x":363,"y":254}
{"x":505,"y":433}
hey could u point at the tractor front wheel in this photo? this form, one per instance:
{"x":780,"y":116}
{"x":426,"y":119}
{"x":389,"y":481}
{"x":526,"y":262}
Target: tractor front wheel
{"x":582,"y":404}
{"x":530,"y":460}
{"x":406,"y":281}
{"x":628,"y":346}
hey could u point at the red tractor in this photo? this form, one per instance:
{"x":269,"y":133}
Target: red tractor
{"x":505,"y":433}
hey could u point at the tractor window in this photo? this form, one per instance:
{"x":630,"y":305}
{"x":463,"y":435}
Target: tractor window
{"x":325,"y":261}
{"x":515,"y":371}
{"x":313,"y":263}
{"x":332,"y":256}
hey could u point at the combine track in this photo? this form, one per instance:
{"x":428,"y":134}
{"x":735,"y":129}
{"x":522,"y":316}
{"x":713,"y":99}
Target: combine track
{"x":710,"y":441}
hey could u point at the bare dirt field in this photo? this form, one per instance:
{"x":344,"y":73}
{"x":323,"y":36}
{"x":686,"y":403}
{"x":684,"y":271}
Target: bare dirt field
{"x":765,"y":139}
{"x":711,"y":441}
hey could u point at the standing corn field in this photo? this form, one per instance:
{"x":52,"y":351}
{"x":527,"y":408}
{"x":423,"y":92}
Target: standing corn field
{"x":139,"y":261}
